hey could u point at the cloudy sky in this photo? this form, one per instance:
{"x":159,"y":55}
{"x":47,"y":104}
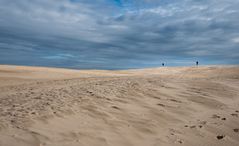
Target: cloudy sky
{"x":118,"y":34}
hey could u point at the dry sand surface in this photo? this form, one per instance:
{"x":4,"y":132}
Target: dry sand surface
{"x":187,"y":106}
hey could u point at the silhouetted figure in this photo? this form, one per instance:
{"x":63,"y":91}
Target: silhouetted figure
{"x":162,"y":64}
{"x":197,"y":63}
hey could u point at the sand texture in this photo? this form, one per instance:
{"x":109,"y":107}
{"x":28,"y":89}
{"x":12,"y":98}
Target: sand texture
{"x":178,"y":106}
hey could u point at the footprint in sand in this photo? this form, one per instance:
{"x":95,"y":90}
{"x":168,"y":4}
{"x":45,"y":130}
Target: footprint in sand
{"x":159,"y":104}
{"x":200,"y":124}
{"x":192,"y":126}
{"x":215,"y":116}
{"x":33,"y":113}
{"x":115,"y":107}
{"x":203,"y":122}
{"x":234,"y":115}
{"x":224,"y":119}
{"x":180,"y":141}
{"x":219,"y":137}
{"x":174,"y":100}
{"x":236,"y":130}
{"x":218,"y":117}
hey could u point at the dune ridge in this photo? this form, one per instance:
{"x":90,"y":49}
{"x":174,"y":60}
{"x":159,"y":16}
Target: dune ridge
{"x":189,"y":106}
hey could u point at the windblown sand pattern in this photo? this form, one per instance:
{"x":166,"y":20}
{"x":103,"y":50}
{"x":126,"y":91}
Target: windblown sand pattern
{"x":188,"y":106}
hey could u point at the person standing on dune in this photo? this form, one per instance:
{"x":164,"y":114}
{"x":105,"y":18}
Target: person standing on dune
{"x":197,"y":63}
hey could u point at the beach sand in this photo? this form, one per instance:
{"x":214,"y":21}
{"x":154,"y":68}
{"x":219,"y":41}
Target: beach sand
{"x":170,"y":106}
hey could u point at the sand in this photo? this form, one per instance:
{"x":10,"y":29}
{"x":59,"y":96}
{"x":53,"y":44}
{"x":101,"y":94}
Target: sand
{"x":186,"y":106}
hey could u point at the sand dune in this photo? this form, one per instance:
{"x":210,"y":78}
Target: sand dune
{"x":186,"y":106}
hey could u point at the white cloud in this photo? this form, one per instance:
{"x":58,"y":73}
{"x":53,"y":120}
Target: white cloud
{"x":235,"y":40}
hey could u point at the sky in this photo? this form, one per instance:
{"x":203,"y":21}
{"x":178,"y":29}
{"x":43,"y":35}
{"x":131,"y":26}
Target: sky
{"x":118,"y":34}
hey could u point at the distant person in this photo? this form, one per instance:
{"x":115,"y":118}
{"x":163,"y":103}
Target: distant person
{"x":197,"y":63}
{"x":162,"y":64}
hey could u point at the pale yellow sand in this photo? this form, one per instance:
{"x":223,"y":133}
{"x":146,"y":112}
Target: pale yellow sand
{"x":189,"y":106}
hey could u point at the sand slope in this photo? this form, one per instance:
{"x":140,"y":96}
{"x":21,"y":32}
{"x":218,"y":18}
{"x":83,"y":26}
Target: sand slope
{"x":188,"y":106}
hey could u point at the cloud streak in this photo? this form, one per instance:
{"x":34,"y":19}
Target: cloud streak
{"x":120,"y":34}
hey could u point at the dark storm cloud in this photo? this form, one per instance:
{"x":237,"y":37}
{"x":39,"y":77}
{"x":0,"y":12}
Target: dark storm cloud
{"x":118,"y":34}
